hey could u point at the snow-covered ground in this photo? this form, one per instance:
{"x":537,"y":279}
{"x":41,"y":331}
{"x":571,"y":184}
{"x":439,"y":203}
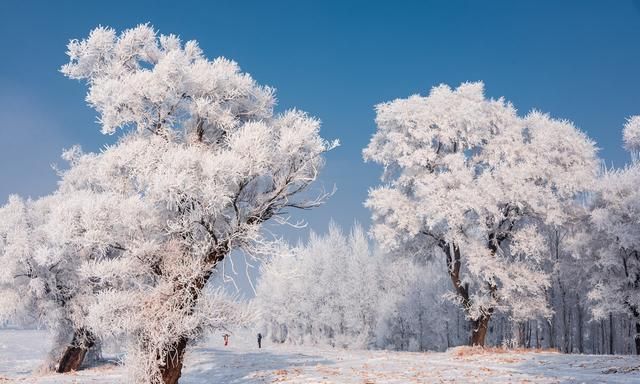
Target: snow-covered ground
{"x":21,"y":352}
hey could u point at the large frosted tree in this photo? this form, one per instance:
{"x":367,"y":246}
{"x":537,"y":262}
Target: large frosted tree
{"x":203,"y":148}
{"x":467,"y":176}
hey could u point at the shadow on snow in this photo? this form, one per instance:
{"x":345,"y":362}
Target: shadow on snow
{"x":235,"y":367}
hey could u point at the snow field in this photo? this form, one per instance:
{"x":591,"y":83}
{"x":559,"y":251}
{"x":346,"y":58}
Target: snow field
{"x":21,"y":352}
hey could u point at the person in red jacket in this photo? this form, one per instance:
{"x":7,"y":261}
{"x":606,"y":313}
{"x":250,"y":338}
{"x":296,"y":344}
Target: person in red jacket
{"x":226,"y":339}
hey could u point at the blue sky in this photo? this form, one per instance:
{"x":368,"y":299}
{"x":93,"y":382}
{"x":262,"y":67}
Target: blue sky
{"x":578,"y":60}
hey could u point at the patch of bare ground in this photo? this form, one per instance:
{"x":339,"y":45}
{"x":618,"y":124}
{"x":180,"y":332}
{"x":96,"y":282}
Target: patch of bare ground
{"x":465,"y":351}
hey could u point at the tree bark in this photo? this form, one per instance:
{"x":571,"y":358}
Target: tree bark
{"x":480,"y":326}
{"x":172,"y":366}
{"x":479,"y":330}
{"x":73,"y":356}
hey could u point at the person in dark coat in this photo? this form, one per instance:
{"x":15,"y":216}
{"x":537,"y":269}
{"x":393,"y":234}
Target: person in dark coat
{"x":259,"y":340}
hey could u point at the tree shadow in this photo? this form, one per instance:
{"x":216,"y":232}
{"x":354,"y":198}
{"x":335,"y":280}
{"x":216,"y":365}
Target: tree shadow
{"x":102,"y":362}
{"x":580,"y":368}
{"x":213,"y":365}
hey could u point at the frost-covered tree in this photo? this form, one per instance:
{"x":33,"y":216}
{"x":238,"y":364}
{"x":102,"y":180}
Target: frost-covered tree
{"x":38,"y":280}
{"x":612,"y":238}
{"x":615,"y":219}
{"x":468,"y":176}
{"x":45,"y":245}
{"x":204,"y":150}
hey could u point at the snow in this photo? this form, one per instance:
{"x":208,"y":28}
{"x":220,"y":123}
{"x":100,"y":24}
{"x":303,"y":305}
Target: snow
{"x":21,"y":352}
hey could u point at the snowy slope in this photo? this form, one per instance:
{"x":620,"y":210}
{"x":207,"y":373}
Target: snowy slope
{"x":242,"y":362}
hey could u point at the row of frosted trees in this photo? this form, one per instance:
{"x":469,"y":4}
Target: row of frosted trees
{"x":538,"y":243}
{"x":335,"y":290}
{"x":127,"y":245}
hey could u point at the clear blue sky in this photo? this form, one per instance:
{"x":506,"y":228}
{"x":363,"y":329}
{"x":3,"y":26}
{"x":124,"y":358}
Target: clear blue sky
{"x":335,"y":59}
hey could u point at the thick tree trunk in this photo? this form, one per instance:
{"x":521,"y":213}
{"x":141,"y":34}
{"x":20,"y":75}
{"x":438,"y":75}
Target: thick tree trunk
{"x":71,"y":359}
{"x":73,"y":356}
{"x":172,"y":368}
{"x":479,"y":330}
{"x":480,"y":326}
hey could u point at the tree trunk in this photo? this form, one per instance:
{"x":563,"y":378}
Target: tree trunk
{"x":446,"y":324}
{"x":73,"y":356}
{"x":479,"y":326}
{"x":500,"y":337}
{"x":580,"y":329}
{"x":603,"y":350}
{"x":521,"y":334}
{"x":479,"y":330}
{"x":637,"y":337}
{"x":172,"y":368}
{"x":552,"y":321}
{"x":566,"y":321}
{"x":611,"y":340}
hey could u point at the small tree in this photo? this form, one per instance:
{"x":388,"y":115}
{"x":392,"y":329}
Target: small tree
{"x":207,"y":154}
{"x":468,"y":176}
